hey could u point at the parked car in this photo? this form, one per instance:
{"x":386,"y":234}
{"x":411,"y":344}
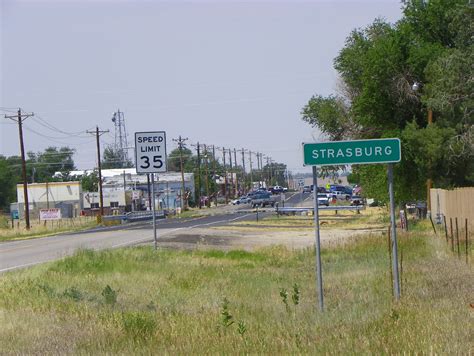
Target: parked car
{"x":242,"y":200}
{"x":262,"y":199}
{"x":357,"y":200}
{"x":323,"y":199}
{"x":340,"y":195}
{"x":276,"y":189}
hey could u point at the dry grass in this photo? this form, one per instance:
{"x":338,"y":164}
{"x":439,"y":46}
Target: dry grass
{"x":41,"y":229}
{"x":172,"y":302}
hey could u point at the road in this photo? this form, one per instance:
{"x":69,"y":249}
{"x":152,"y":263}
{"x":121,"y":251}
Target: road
{"x":19,"y":254}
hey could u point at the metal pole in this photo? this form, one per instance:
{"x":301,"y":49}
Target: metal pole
{"x":396,"y":278}
{"x":153,"y":209}
{"x":318,"y":240}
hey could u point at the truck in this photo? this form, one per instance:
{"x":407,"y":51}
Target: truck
{"x":262,"y":199}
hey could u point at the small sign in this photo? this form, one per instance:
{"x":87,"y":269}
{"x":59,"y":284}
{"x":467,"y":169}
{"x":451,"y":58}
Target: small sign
{"x":15,"y":214}
{"x":150,"y":152}
{"x":50,"y":214}
{"x":386,"y":150}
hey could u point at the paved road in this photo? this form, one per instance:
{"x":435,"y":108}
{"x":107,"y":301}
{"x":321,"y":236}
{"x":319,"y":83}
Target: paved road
{"x":26,"y":253}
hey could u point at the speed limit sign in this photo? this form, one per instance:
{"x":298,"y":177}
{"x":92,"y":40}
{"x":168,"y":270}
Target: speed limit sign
{"x":150,"y":152}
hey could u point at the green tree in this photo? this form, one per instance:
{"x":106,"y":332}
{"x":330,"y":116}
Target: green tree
{"x":112,"y":158}
{"x":432,"y":46}
{"x":8,"y":181}
{"x":90,"y":182}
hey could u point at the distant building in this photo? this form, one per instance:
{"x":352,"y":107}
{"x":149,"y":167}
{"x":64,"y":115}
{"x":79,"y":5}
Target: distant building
{"x":50,"y":195}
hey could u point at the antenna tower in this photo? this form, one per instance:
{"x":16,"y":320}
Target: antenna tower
{"x":120,"y":144}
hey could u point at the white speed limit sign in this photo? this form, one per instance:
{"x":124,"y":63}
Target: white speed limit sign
{"x":150,"y":152}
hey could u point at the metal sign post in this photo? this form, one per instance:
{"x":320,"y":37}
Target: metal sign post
{"x":153,"y":209}
{"x":396,"y":278}
{"x":319,"y":272}
{"x":150,"y":158}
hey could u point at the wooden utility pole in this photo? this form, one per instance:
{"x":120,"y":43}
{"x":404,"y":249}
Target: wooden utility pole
{"x":208,"y":201}
{"x":225,"y":176}
{"x":19,"y":118}
{"x":199,"y":175}
{"x":97,"y":134}
{"x":180,"y":142}
{"x":251,"y":174}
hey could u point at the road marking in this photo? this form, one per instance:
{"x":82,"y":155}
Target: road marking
{"x":25,"y":265}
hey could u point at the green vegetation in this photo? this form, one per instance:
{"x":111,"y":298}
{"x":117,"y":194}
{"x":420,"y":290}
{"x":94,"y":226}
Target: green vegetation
{"x":138,"y":301}
{"x":392,"y":78}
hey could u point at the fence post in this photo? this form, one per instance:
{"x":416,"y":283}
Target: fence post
{"x":457,"y":238}
{"x":445,"y":229}
{"x":467,"y":244}
{"x":452,"y":235}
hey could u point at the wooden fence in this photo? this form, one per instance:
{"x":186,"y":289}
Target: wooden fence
{"x":457,"y":203}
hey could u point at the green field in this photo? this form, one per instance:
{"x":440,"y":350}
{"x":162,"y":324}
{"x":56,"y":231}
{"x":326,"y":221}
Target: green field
{"x":137,"y":301}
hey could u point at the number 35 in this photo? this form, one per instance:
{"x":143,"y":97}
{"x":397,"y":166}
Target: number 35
{"x":157,"y":162}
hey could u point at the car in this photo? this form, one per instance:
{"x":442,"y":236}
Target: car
{"x":262,"y":199}
{"x":276,"y":189}
{"x":307,"y":189}
{"x":242,"y":200}
{"x":340,"y":195}
{"x":357,"y":200}
{"x":323,"y":199}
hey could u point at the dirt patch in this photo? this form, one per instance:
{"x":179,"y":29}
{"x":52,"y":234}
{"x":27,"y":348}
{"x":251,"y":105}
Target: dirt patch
{"x":250,"y":239}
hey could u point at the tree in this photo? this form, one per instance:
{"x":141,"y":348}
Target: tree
{"x":8,"y":181}
{"x":90,"y":182}
{"x":431,"y":45}
{"x":112,"y":158}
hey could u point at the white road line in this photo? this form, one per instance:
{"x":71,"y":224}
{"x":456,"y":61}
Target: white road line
{"x":25,"y":265}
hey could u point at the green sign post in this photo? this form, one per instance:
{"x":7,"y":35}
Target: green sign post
{"x":386,"y":150}
{"x":333,"y":153}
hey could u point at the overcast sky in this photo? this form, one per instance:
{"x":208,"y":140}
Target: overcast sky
{"x":233,"y":74}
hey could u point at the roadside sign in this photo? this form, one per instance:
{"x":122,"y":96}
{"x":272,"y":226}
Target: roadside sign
{"x":150,"y":152}
{"x":301,"y":183}
{"x":50,"y":214}
{"x":385,"y":150}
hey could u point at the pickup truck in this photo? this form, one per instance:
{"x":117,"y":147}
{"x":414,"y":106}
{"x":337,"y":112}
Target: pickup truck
{"x":262,"y":199}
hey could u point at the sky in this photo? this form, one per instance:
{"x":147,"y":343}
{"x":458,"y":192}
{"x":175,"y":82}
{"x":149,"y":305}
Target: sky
{"x":224,"y":73}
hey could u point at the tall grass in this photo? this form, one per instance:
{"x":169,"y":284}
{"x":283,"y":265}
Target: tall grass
{"x":135,"y":301}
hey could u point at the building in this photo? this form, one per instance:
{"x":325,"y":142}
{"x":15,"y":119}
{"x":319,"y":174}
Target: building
{"x":64,"y":195}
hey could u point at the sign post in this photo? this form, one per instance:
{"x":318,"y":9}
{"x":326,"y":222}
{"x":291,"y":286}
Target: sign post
{"x":150,"y":158}
{"x":387,"y":150}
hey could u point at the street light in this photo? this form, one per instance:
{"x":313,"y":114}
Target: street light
{"x":416,"y":87}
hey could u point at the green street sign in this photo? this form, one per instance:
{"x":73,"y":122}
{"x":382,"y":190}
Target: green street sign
{"x":385,"y":150}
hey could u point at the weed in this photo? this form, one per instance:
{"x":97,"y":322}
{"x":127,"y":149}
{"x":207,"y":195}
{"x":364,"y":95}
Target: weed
{"x":110,"y":295}
{"x":284,"y":298}
{"x":139,"y":325}
{"x":295,"y":297}
{"x":226,"y":318}
{"x":73,"y":293}
{"x":241,"y":328}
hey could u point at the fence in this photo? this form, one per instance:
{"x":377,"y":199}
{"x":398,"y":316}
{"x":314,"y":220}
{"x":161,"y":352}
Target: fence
{"x":457,"y":203}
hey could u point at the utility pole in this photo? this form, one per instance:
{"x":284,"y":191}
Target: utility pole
{"x":225,"y":176}
{"x":251,"y":174}
{"x":199,"y":176}
{"x":243,"y":171}
{"x":236,"y":180}
{"x":231,"y":173}
{"x":19,"y":118}
{"x":97,"y":134}
{"x":181,"y":141}
{"x":208,"y":201}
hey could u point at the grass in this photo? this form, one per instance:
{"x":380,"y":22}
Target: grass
{"x":369,"y":218}
{"x":137,"y":301}
{"x":41,"y":229}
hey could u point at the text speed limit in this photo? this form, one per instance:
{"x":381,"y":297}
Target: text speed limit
{"x":150,"y":152}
